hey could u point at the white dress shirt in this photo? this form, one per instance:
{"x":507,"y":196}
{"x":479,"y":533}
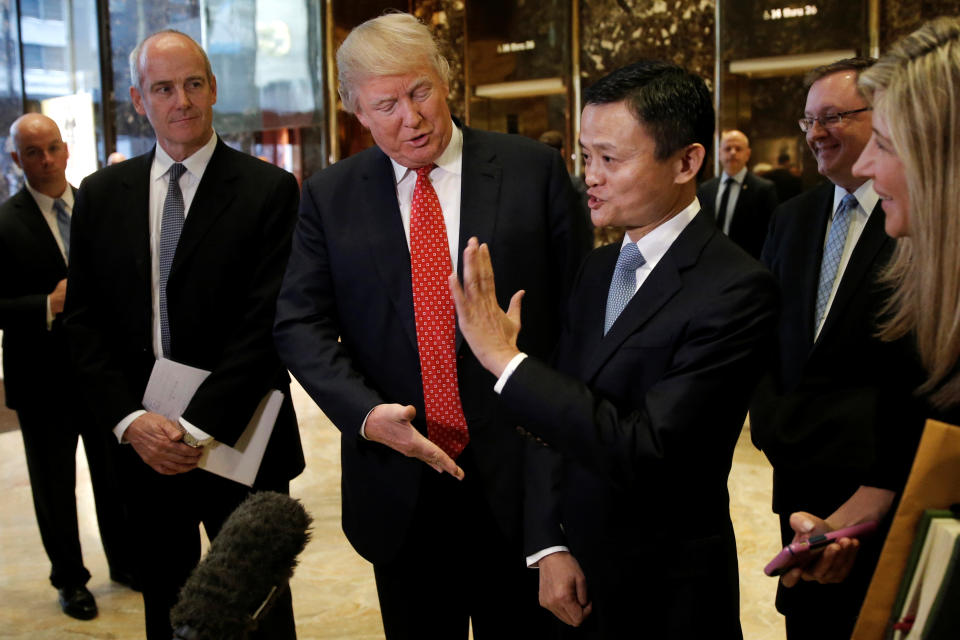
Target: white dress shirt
{"x":45,"y":204}
{"x":195,"y":165}
{"x":446,"y":180}
{"x":653,"y":246}
{"x":734,"y":187}
{"x":867,"y":199}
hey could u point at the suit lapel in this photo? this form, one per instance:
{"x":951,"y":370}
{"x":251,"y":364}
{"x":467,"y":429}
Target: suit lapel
{"x":379,"y":213}
{"x":811,"y":254}
{"x":29,"y":213}
{"x":479,"y":196}
{"x":215,"y":194}
{"x":871,"y":241}
{"x":661,"y":285}
{"x":133,"y":206}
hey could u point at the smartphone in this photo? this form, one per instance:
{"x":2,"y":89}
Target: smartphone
{"x":796,"y":552}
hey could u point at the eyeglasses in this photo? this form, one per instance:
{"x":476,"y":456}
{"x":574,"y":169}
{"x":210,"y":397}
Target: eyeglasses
{"x":828,"y":121}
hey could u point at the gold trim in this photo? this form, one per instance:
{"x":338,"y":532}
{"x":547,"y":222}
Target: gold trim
{"x":575,"y":84}
{"x":332,"y":112}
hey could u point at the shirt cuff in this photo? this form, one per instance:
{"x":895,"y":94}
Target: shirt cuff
{"x":121,"y":427}
{"x":363,"y":425}
{"x":508,"y":371}
{"x":540,"y":555}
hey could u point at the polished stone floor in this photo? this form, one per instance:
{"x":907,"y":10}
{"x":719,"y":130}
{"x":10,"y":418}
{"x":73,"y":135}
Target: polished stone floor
{"x":333,"y":589}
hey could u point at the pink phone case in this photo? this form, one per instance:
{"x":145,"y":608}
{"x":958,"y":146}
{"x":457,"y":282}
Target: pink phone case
{"x":796,"y":552}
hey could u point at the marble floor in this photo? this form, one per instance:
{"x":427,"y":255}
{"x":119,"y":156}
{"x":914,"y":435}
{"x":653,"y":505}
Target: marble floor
{"x":333,"y":588}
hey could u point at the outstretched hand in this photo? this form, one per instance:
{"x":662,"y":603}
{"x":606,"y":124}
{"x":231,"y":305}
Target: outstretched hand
{"x":391,"y":425}
{"x":491,"y":333}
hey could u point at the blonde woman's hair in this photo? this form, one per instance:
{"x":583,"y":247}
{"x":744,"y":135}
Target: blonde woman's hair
{"x":916,"y":87}
{"x":393,"y":44}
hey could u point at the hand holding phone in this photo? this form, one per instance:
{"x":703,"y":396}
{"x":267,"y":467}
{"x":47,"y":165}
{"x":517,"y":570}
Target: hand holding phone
{"x":798,"y":552}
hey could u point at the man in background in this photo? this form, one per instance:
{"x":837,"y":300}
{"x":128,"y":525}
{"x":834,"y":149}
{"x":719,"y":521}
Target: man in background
{"x":178,"y":254}
{"x":740,"y":201}
{"x":835,"y":415}
{"x":39,"y":382}
{"x":366,"y":323}
{"x":782,"y":176}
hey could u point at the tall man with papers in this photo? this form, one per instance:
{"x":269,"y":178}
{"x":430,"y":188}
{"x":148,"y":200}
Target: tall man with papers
{"x":178,"y":254}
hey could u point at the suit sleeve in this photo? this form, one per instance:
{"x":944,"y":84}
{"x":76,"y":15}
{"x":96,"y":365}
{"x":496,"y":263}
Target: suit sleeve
{"x":306,"y":331}
{"x":18,"y":311}
{"x":100,"y":371}
{"x":712,"y":372}
{"x":248,"y":366}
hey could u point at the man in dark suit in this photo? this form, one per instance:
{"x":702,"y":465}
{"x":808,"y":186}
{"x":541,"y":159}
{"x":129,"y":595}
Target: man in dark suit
{"x":365,"y":310}
{"x":835,"y":415}
{"x":788,"y":184}
{"x":740,"y":201}
{"x":39,"y":383}
{"x":131,"y":300}
{"x":661,"y":347}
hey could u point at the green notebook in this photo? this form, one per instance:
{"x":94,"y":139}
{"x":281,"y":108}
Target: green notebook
{"x":930,"y":571}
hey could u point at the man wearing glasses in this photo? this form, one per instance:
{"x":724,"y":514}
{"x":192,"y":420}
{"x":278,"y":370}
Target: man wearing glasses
{"x":835,"y":415}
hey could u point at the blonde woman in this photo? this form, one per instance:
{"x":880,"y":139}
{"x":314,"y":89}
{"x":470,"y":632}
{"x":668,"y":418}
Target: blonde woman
{"x":914,"y":160}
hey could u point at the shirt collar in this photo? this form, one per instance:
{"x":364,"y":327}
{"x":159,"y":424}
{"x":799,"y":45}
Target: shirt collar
{"x":738,"y":177}
{"x":45,"y":202}
{"x":867,"y":198}
{"x":655,"y":244}
{"x":451,"y":160}
{"x":195,"y":164}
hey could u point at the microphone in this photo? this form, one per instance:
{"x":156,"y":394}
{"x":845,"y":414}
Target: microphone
{"x":248,"y":563}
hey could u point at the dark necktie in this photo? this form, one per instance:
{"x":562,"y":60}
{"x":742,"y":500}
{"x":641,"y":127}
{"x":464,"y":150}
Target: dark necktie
{"x":435,"y":318}
{"x":624,"y":283}
{"x":724,"y":199}
{"x":63,"y":223}
{"x":171,"y":224}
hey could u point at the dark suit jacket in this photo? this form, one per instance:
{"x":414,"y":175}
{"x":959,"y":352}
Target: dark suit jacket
{"x":35,"y":360}
{"x":221,"y":295}
{"x":646,"y":419}
{"x":751,"y":215}
{"x":349,"y":278}
{"x":787,"y":184}
{"x":838,"y":411}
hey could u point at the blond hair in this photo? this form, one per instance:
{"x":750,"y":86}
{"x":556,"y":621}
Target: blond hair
{"x":390,"y":45}
{"x":917,"y":87}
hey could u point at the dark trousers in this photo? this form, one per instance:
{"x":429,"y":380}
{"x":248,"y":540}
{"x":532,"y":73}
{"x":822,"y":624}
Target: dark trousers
{"x":50,"y":433}
{"x":166,"y":514}
{"x":456,"y":566}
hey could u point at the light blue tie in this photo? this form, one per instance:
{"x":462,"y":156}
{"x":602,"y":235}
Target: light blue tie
{"x":624,"y":283}
{"x":832,"y":251}
{"x":63,"y":223}
{"x":171,"y":224}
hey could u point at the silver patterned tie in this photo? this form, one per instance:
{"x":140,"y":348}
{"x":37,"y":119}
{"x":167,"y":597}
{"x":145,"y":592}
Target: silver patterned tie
{"x":832,"y":252}
{"x":624,"y":283}
{"x":171,"y":224}
{"x":63,"y":223}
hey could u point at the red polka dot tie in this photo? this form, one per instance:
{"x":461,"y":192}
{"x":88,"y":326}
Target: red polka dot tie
{"x":436,"y":318}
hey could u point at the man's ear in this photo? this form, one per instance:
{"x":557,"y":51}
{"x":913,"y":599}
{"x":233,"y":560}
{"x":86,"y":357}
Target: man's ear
{"x":688,"y":163}
{"x":137,"y":101}
{"x":16,"y":159}
{"x":362,"y":118}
